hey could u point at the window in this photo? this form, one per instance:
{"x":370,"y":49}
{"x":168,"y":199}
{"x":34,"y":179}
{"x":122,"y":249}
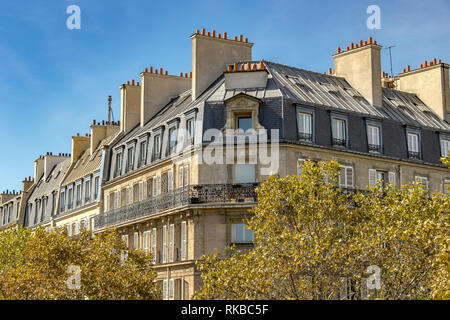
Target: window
{"x":70,"y":199}
{"x":165,"y":290}
{"x":300,"y":163}
{"x":374,"y":137}
{"x":413,"y":145}
{"x":384,"y":177}
{"x":244,"y":122}
{"x":244,"y":173}
{"x":142,"y":153}
{"x":130,"y":159}
{"x":183,"y":240}
{"x":339,"y":131}
{"x":62,"y":200}
{"x":446,"y":186}
{"x":305,"y":125}
{"x":136,"y":240}
{"x":190,"y":130}
{"x":172,"y":139}
{"x":44,"y":205}
{"x":125,"y":239}
{"x":146,"y":241}
{"x":171,"y":289}
{"x":240,"y":234}
{"x":87,"y":191}
{"x":157,"y":147}
{"x":164,"y":244}
{"x":118,"y":168}
{"x":422,"y":180}
{"x":445,"y":146}
{"x":183,"y":175}
{"x":78,"y":195}
{"x":96,"y":185}
{"x":346,"y":177}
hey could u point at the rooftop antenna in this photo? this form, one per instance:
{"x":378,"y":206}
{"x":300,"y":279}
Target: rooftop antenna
{"x":109,"y":109}
{"x":390,"y":57}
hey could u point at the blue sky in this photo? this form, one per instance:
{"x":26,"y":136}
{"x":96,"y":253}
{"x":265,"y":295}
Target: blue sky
{"x":55,"y":81}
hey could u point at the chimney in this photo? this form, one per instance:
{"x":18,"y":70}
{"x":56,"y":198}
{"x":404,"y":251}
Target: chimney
{"x":210,"y":57}
{"x":79,"y":145}
{"x":38,"y":168}
{"x":361,"y":67}
{"x":130,"y":110}
{"x":50,"y":161}
{"x":6,"y":196}
{"x":100,"y":132}
{"x":27,"y":183}
{"x":431,"y":85}
{"x":157,"y":89}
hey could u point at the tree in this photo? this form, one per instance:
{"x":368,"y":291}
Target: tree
{"x":314,"y":240}
{"x":53,"y":266}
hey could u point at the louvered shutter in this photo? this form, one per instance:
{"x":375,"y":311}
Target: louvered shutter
{"x":154,"y":186}
{"x":372,"y":177}
{"x":170,"y":180}
{"x":180,"y":177}
{"x":186,"y":175}
{"x":164,"y":243}
{"x":108,"y":199}
{"x":171,"y":242}
{"x":136,"y":240}
{"x":300,"y":163}
{"x":391,"y":177}
{"x":154,"y":243}
{"x":349,"y":177}
{"x":171,"y":289}
{"x":183,"y":238}
{"x":141,"y":191}
{"x":158,"y":185}
{"x":164,"y":289}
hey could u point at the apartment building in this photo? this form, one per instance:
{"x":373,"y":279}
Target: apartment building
{"x":165,"y":198}
{"x":177,"y":175}
{"x":79,"y":190}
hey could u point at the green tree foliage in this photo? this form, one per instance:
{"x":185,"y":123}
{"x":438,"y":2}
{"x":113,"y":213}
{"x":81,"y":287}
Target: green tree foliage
{"x":50,"y":265}
{"x":314,"y":240}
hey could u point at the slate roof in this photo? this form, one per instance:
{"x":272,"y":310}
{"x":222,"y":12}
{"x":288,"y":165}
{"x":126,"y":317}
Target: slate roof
{"x":87,"y":164}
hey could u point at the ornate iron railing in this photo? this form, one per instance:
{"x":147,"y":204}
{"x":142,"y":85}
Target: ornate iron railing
{"x":374,"y":148}
{"x":303,"y":136}
{"x":413,"y":155}
{"x":193,"y":194}
{"x":339,"y":142}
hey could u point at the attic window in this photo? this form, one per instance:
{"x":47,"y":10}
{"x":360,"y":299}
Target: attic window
{"x":352,"y":92}
{"x":298,"y":82}
{"x":397,"y":103}
{"x":328,"y":87}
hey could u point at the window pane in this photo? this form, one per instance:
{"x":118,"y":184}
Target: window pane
{"x":304,"y":122}
{"x":245,"y":123}
{"x":244,"y":173}
{"x":239,"y":232}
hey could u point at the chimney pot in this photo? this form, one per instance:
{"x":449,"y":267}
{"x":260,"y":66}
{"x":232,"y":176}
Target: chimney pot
{"x":352,"y":45}
{"x":203,"y":31}
{"x":229,"y":68}
{"x":339,"y":50}
{"x":208,"y":34}
{"x":151,"y":69}
{"x":241,"y":37}
{"x":246,"y":40}
{"x":224,"y":35}
{"x":128,"y":82}
{"x":370,"y":40}
{"x":166,"y":73}
{"x":261,"y":65}
{"x":160,"y":71}
{"x":439,"y":61}
{"x":425,"y":64}
{"x":434,"y":61}
{"x":235,"y":38}
{"x":190,"y":74}
{"x":146,"y":69}
{"x":255,"y":66}
{"x":348,"y":48}
{"x":219,"y":36}
{"x":197,"y":31}
{"x":421,"y":66}
{"x":360,"y":43}
{"x":235,"y":66}
{"x":185,"y":75}
{"x":214,"y":33}
{"x":365,"y":43}
{"x":78,"y":134}
{"x":181,"y":74}
{"x":29,"y":178}
{"x":156,"y":71}
{"x":132,"y":82}
{"x":249,"y":66}
{"x":375,"y":42}
{"x":404,"y":70}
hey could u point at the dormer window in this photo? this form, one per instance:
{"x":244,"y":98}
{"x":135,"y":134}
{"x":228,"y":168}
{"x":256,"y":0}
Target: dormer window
{"x":190,"y":131}
{"x":339,"y":131}
{"x":305,"y":124}
{"x":118,"y":168}
{"x":445,"y":146}
{"x":130,"y":159}
{"x":374,"y":137}
{"x":172,"y":140}
{"x":244,"y":122}
{"x":413,"y":144}
{"x":157,"y":147}
{"x":142,"y":153}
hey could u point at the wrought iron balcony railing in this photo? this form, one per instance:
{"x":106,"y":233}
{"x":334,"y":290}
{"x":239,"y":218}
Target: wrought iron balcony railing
{"x":339,"y":142}
{"x":413,"y":155}
{"x":374,"y":148}
{"x":193,"y":194}
{"x":303,"y":136}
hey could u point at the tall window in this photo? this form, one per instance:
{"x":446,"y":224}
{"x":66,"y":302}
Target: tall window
{"x":346,"y":177}
{"x":172,"y":139}
{"x":373,"y":138}
{"x":62,"y":201}
{"x":154,"y":243}
{"x":164,"y":244}
{"x":304,"y":123}
{"x":142,"y":153}
{"x":118,"y":168}
{"x":130,"y":159}
{"x":96,"y":185}
{"x":413,"y":145}
{"x":87,"y":191}
{"x":240,"y":233}
{"x":190,"y":131}
{"x":78,"y":194}
{"x":70,"y":199}
{"x":157,"y":146}
{"x":445,"y":147}
{"x":171,"y":243}
{"x":183,"y":240}
{"x":338,"y":128}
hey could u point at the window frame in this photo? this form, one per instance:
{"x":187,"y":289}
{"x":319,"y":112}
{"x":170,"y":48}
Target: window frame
{"x":371,"y":123}
{"x":310,"y":112}
{"x":244,"y":230}
{"x":443,"y":137}
{"x":338,"y":117}
{"x":419,"y":143}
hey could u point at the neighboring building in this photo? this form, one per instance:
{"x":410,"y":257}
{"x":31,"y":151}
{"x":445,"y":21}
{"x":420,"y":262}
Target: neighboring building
{"x":153,"y":178}
{"x":41,"y":203}
{"x":9,"y":208}
{"x":79,"y":191}
{"x":166,"y":199}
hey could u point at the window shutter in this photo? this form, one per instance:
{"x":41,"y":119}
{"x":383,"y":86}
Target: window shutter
{"x":180,"y":176}
{"x":171,"y":242}
{"x":146,"y":241}
{"x":372,"y":177}
{"x":108,"y":199}
{"x":164,"y":290}
{"x":391,"y":177}
{"x":164,"y":243}
{"x":158,"y":185}
{"x":144,"y":190}
{"x":183,"y":238}
{"x":154,"y":186}
{"x":136,"y":240}
{"x":350,"y":177}
{"x":300,"y":163}
{"x":154,"y":239}
{"x":69,"y":230}
{"x":119,"y":197}
{"x":170,"y":180}
{"x":186,"y":175}
{"x":141,"y":191}
{"x":171,"y":289}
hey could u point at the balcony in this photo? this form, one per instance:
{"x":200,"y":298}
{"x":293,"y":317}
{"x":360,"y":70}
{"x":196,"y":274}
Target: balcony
{"x":339,"y":142}
{"x":375,"y":148}
{"x":303,"y":136}
{"x":414,"y":155}
{"x":188,"y":195}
